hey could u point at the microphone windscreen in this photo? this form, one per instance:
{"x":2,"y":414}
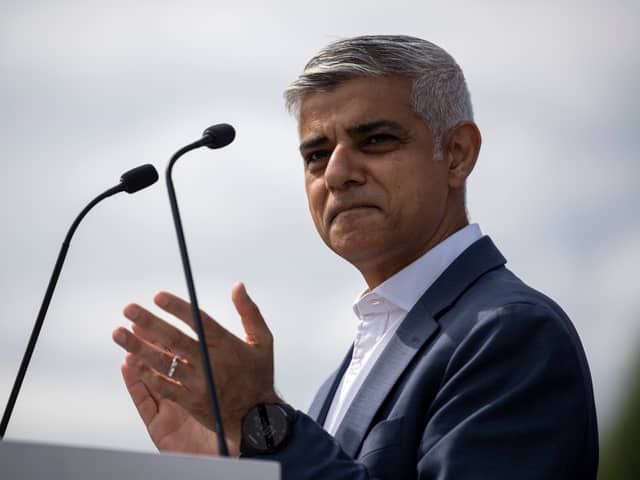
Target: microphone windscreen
{"x":139,"y":178}
{"x":219,"y":136}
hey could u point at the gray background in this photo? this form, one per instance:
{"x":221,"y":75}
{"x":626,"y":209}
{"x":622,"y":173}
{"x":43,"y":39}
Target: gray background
{"x":89,"y":91}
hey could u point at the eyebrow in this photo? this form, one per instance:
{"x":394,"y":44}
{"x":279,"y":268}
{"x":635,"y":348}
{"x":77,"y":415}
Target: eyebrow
{"x":368,"y":127}
{"x":357,"y":130}
{"x":313,"y":142}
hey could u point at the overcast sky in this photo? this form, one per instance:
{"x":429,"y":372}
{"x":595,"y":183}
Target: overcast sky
{"x":92,"y":89}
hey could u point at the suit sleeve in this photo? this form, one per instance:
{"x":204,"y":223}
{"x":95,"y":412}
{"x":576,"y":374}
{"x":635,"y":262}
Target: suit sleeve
{"x":512,"y":405}
{"x":311,"y":453}
{"x":514,"y":402}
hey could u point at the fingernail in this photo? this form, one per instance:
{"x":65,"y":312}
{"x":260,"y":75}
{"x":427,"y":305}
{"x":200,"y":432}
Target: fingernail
{"x":162,"y":301}
{"x":119,"y":337}
{"x":132,"y":313}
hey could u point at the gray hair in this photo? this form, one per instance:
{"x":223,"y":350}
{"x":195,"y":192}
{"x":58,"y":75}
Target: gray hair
{"x":440,"y":94}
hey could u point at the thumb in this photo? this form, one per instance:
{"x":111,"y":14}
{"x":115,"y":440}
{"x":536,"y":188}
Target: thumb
{"x":254,"y":325}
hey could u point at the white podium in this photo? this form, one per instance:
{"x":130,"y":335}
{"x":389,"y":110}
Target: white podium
{"x":33,"y":461}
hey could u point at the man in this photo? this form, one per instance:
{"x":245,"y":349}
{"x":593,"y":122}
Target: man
{"x":458,"y":369}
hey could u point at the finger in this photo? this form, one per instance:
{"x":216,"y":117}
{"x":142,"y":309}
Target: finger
{"x":142,"y":397}
{"x":154,"y":381}
{"x":159,"y":360}
{"x":182,"y":309}
{"x":160,"y":350}
{"x":148,"y":337}
{"x":158,"y":331}
{"x":254,"y":325}
{"x":157,"y":346}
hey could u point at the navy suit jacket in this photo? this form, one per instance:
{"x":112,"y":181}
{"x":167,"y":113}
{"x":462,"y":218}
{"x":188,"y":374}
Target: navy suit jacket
{"x":484,"y":379}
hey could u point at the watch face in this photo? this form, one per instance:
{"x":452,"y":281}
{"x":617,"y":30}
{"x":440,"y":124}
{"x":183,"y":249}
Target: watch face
{"x":265,"y":427}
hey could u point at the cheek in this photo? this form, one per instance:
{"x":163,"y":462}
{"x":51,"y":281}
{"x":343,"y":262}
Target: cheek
{"x":417,"y":199}
{"x":316,"y":198}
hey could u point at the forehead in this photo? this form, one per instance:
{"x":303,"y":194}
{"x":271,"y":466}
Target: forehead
{"x":355,"y":101}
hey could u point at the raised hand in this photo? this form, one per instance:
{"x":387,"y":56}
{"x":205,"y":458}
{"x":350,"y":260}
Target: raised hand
{"x":243,"y":370}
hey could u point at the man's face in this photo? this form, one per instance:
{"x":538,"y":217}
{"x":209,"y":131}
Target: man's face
{"x":377,"y":196}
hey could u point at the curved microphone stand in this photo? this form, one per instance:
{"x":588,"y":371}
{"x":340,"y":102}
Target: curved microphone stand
{"x":130,"y":182}
{"x":217,"y":136}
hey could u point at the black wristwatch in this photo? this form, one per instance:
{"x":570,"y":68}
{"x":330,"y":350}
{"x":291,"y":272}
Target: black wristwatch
{"x":266,"y":428}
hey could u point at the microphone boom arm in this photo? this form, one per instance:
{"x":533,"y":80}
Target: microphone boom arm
{"x":26,"y":359}
{"x":195,"y":310}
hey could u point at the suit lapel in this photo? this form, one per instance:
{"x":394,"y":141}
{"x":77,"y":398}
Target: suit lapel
{"x":416,"y":329}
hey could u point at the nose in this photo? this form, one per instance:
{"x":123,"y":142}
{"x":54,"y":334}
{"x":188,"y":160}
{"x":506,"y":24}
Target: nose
{"x":344,"y":169}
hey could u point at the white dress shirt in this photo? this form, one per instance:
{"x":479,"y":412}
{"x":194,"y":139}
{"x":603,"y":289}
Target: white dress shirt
{"x":381,"y":311}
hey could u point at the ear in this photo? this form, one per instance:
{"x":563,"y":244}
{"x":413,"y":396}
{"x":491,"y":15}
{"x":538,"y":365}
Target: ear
{"x":461,"y":152}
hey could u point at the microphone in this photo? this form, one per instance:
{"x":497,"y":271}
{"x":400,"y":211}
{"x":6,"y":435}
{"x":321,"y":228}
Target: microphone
{"x":216,"y":136}
{"x":138,"y":178}
{"x":132,"y":181}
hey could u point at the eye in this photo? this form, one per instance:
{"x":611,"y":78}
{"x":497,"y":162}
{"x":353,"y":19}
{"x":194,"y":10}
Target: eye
{"x":380,"y":139}
{"x":316,"y":156}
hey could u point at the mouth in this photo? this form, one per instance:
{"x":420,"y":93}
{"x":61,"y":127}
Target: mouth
{"x":352,"y":208}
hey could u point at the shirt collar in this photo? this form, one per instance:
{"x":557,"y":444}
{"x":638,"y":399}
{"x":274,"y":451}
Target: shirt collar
{"x":404,"y":289}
